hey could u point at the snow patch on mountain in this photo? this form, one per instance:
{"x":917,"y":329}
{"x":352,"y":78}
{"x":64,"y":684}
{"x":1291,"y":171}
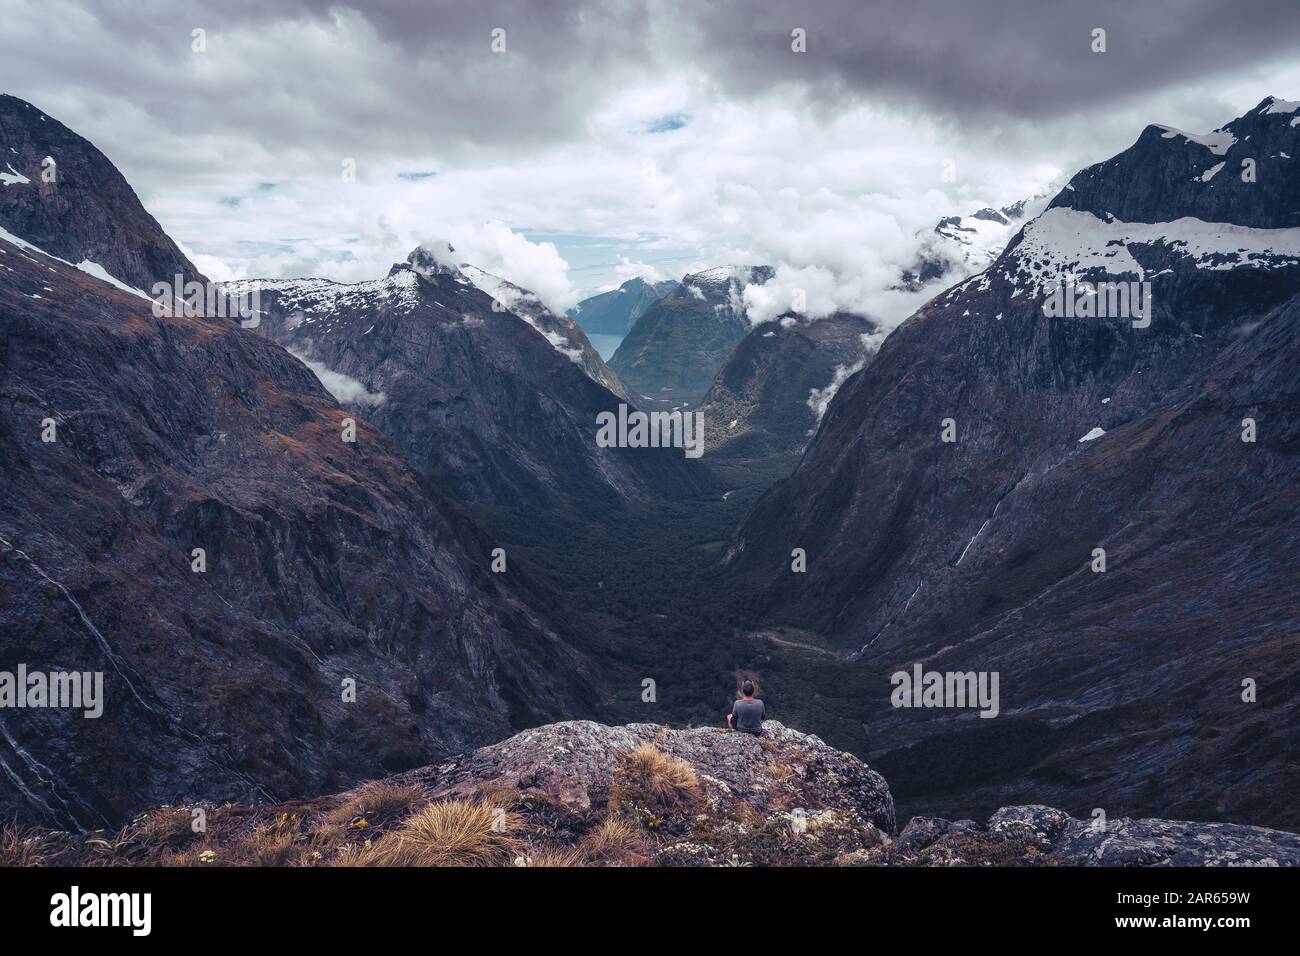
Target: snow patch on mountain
{"x":319,"y":299}
{"x":13,"y":177}
{"x":1282,"y":106}
{"x":525,"y":305}
{"x":1062,"y":242}
{"x":1218,"y":142}
{"x":1212,"y":172}
{"x":958,"y":246}
{"x":93,"y":269}
{"x":719,"y":277}
{"x":512,"y":297}
{"x":100,"y":273}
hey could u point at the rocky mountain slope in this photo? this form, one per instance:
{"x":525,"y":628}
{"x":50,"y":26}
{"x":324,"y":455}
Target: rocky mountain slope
{"x":584,"y":794}
{"x":62,"y":194}
{"x":616,"y":311}
{"x":775,"y":386}
{"x":278,"y":603}
{"x":672,"y":354}
{"x":560,"y":330}
{"x":1157,"y":685}
{"x":491,"y":404}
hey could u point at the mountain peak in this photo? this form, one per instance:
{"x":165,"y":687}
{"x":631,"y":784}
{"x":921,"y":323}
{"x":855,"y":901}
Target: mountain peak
{"x":1274,"y":104}
{"x":615,"y":311}
{"x":672,"y":353}
{"x":1242,"y":173}
{"x":434,"y":258}
{"x":722,"y":276}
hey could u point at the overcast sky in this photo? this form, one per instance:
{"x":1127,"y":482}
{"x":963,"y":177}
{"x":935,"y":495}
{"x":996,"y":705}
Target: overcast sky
{"x":620,"y":137}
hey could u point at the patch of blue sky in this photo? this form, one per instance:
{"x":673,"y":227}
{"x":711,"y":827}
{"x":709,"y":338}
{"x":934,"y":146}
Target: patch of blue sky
{"x":667,"y":123}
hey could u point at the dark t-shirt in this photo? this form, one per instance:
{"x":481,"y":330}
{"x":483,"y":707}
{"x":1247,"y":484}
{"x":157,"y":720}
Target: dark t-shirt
{"x":747,"y":715}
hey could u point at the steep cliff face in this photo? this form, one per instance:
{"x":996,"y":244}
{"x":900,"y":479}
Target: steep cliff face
{"x":1067,"y":435}
{"x":777,"y":383}
{"x":62,"y":194}
{"x":478,"y":398}
{"x":343,"y":624}
{"x":676,"y":348}
{"x":560,"y":330}
{"x":1242,"y":173}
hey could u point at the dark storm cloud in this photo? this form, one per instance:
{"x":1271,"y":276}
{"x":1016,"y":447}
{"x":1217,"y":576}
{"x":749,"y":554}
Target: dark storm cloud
{"x":1017,"y":58}
{"x":411,"y":89}
{"x":387,"y":78}
{"x":418,"y":78}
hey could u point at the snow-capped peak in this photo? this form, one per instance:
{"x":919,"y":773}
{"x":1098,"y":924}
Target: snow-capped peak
{"x":511,"y":296}
{"x":1217,"y":142}
{"x":720,"y":277}
{"x":434,"y":258}
{"x":1274,"y":105}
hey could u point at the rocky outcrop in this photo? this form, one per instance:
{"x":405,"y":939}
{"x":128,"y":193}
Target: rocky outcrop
{"x":580,"y":793}
{"x":574,"y":764}
{"x":1041,"y":835}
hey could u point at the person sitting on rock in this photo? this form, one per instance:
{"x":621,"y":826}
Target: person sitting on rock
{"x":747,"y":714}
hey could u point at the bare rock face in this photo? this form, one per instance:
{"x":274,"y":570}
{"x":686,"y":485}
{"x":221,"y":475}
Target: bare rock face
{"x":1244,"y":173}
{"x":561,"y":331}
{"x":63,"y":195}
{"x":1126,"y":842}
{"x":574,"y":763}
{"x":134,"y":442}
